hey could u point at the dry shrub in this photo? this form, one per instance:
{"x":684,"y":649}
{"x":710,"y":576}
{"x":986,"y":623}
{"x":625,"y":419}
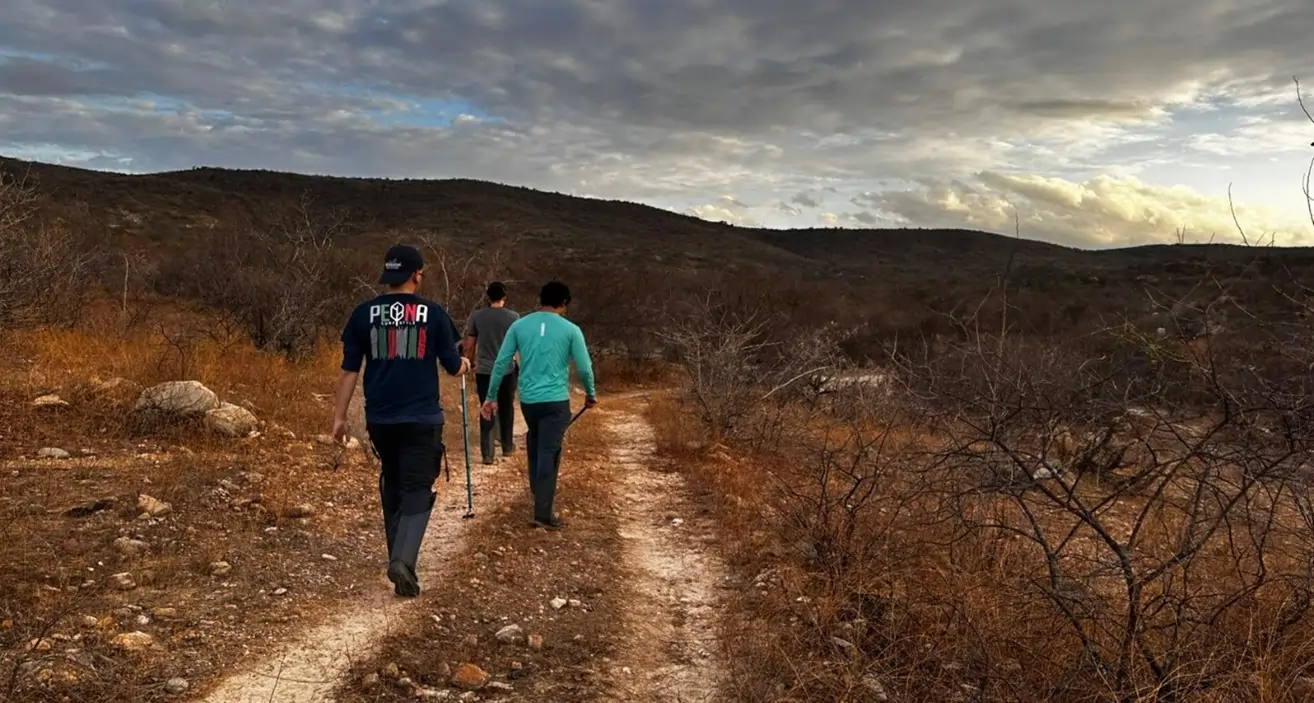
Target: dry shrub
{"x":1006,"y":519}
{"x":284,"y":283}
{"x":45,"y":266}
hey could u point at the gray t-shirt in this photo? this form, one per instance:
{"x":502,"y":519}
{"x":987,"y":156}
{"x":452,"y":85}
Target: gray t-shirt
{"x":489,"y":326}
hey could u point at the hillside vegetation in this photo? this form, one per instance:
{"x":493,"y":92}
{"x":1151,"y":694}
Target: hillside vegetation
{"x":629,"y":264}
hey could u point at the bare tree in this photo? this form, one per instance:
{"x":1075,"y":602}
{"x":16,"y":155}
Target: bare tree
{"x":461,"y":277}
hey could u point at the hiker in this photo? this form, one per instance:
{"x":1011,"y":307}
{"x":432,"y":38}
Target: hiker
{"x":547,"y":342}
{"x":483,"y":338}
{"x":400,"y":335}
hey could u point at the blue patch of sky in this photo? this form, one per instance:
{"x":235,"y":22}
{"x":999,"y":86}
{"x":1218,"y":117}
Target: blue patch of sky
{"x":9,"y":54}
{"x":63,"y":154}
{"x":414,"y":110}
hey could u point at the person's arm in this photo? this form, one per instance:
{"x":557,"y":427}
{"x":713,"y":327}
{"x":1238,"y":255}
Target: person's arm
{"x":447,"y":349}
{"x":471,"y":337}
{"x":579,"y":352}
{"x":508,"y":350}
{"x":353,"y":355}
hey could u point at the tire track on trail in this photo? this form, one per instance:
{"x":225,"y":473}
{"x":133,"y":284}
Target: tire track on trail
{"x":309,"y":666}
{"x":672,"y":654}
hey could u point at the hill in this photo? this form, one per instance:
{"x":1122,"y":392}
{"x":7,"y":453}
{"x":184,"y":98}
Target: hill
{"x":631,"y":262}
{"x":166,"y":208}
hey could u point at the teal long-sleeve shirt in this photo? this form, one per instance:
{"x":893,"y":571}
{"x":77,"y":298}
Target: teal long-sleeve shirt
{"x":547,"y":343}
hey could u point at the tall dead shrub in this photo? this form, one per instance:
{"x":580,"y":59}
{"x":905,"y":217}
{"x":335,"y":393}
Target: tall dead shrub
{"x":731,"y":364}
{"x":286,"y":281}
{"x":45,"y":268}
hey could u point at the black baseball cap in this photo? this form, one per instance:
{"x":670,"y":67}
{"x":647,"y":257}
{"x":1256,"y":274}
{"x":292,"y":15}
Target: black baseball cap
{"x":400,"y":264}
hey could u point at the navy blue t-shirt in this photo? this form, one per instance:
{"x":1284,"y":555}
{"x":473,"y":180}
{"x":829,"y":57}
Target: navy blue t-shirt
{"x":400,"y":336}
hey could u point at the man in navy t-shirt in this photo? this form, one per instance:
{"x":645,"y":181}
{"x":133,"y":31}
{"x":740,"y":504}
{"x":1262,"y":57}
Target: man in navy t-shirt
{"x":401,"y":338}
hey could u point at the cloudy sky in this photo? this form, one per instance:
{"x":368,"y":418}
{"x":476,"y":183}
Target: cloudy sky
{"x":1098,"y":123}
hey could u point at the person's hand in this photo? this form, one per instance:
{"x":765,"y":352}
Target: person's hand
{"x":465,"y":367}
{"x":340,"y":430}
{"x":488,"y":409}
{"x":589,"y":402}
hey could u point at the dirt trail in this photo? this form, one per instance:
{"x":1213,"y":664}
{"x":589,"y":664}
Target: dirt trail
{"x":308,"y":667}
{"x":672,"y":621}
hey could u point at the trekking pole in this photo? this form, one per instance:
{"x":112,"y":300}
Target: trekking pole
{"x":465,"y":439}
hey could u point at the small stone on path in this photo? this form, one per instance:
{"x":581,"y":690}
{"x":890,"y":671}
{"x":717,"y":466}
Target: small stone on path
{"x":469,"y":677}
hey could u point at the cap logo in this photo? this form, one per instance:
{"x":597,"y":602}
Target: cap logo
{"x":393,"y":265}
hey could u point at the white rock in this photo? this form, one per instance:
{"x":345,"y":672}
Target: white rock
{"x":559,"y":603}
{"x":153,"y":506}
{"x":130,"y":547}
{"x":123,"y":581}
{"x":231,"y":420}
{"x":178,"y":398}
{"x":877,"y":689}
{"x":176,"y":686}
{"x":50,"y":401}
{"x":511,"y":634}
{"x":220,"y":568}
{"x":52,"y":453}
{"x":133,"y":641}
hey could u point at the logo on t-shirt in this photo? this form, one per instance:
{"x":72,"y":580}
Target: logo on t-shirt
{"x":398,"y":330}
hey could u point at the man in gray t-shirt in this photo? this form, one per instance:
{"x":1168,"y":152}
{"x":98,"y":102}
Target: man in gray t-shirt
{"x":483,"y":338}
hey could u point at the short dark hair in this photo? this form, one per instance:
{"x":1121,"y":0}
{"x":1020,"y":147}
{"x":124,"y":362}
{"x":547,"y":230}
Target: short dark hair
{"x":496,"y":291}
{"x":555,"y":294}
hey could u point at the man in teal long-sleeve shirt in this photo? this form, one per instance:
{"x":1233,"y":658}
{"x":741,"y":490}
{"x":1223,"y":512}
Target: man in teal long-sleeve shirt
{"x":547,"y":342}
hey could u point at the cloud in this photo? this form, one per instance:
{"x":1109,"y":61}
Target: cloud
{"x":794,"y":108}
{"x":1106,"y":211}
{"x":805,"y":200}
{"x":721,"y":213}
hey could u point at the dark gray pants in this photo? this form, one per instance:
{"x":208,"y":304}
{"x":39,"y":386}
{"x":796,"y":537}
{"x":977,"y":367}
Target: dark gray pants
{"x":547,"y":427}
{"x":409,"y":455}
{"x":504,"y":420}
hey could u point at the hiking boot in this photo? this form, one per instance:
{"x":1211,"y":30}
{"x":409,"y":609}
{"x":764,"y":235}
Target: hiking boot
{"x":552,"y":523}
{"x":404,"y":581}
{"x":489,"y":462}
{"x":405,"y":552}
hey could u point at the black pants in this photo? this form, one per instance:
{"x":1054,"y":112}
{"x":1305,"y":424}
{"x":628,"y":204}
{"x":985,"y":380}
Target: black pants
{"x":547,"y":427}
{"x":506,"y":414}
{"x":409,"y":454}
